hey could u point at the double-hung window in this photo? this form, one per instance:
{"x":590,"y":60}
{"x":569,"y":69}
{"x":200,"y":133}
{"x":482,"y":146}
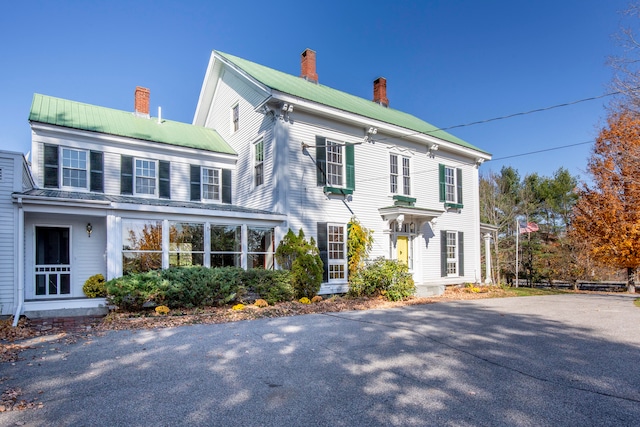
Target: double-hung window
{"x":395,"y":186}
{"x":451,"y":186}
{"x":235,"y":118}
{"x":258,"y":163}
{"x":332,"y":248}
{"x":211,"y":184}
{"x":74,"y":168}
{"x":452,"y":253}
{"x":335,"y":166}
{"x":146,"y":177}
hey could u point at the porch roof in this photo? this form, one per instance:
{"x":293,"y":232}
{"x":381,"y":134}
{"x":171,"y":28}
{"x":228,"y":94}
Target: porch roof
{"x":117,"y":201}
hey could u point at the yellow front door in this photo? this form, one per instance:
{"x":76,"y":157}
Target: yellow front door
{"x":402,"y":246}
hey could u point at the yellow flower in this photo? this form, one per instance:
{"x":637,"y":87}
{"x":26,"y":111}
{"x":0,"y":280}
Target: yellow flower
{"x":238,"y":307}
{"x":162,"y":309}
{"x":304,"y":300}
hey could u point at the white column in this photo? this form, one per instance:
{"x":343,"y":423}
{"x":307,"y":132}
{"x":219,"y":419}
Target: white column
{"x":487,"y":258}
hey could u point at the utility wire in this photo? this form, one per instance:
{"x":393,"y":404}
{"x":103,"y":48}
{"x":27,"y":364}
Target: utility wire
{"x":541,"y":151}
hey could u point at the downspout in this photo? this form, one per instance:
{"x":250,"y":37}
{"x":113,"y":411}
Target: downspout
{"x":16,"y":317}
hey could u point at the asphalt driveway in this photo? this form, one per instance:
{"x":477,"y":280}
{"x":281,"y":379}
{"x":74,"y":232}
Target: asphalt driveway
{"x":535,"y":361}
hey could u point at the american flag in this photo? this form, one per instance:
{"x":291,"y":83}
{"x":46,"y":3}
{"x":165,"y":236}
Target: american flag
{"x":528,"y":227}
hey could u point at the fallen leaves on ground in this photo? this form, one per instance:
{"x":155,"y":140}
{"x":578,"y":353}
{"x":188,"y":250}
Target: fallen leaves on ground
{"x":10,"y":400}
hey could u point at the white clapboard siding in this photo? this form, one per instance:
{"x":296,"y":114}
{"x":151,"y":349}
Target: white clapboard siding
{"x":253,"y":125}
{"x":8,"y":224}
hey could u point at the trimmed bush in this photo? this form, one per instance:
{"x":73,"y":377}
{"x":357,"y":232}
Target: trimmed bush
{"x":177,"y":287}
{"x":271,"y":285}
{"x":306,"y":275}
{"x":94,"y":287}
{"x":385,"y":277}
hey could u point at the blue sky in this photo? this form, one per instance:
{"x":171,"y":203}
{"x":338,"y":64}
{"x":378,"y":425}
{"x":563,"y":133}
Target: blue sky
{"x":449,"y":62}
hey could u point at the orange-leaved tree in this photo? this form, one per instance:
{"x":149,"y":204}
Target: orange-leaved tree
{"x":607,"y":214}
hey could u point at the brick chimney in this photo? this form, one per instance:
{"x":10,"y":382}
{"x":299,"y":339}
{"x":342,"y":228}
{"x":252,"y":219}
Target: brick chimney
{"x":141,"y":104}
{"x":380,"y":91}
{"x":308,"y":65}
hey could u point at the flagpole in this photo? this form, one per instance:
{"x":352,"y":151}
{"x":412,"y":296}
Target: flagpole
{"x":517,"y":238}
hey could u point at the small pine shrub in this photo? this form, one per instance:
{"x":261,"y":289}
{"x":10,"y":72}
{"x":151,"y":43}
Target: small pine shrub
{"x":316,"y":299}
{"x":95,"y":287}
{"x":306,"y":275}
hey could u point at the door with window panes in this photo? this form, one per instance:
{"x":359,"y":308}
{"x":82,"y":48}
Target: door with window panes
{"x":53,"y":268}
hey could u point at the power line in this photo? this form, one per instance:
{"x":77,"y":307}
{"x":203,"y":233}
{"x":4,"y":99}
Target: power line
{"x":542,"y":151}
{"x":509,"y":116}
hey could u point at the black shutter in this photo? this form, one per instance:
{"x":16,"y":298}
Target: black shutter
{"x":323,"y":248}
{"x":51,"y":166}
{"x":96,"y":162}
{"x":351,"y":168}
{"x":321,"y":161}
{"x":126,"y":175}
{"x":460,"y":253}
{"x":459,"y":184}
{"x":164,"y":173}
{"x":443,"y":253}
{"x":226,"y":185}
{"x":195,"y":183}
{"x":443,"y":187}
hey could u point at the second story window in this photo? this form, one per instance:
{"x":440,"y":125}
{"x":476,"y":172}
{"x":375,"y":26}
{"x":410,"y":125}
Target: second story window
{"x":334,"y":164}
{"x":211,"y":184}
{"x":451,"y":186}
{"x":258,"y":163}
{"x":406,"y":177}
{"x":235,"y":118}
{"x":74,"y":168}
{"x":394,"y":175}
{"x":146,"y":176}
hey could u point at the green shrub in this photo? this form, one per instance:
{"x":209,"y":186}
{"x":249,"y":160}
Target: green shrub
{"x":177,"y":287}
{"x":306,"y":275}
{"x":133,"y":291}
{"x":94,"y":287}
{"x":271,"y":285}
{"x":385,"y":277}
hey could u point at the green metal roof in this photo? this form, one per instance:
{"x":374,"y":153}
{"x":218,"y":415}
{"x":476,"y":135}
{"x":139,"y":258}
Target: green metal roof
{"x":76,"y":115}
{"x":325,"y":95}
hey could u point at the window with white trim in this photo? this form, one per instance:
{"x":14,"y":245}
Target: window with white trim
{"x":146,"y":176}
{"x":450,"y":184}
{"x":394,"y":175}
{"x":335,"y":164}
{"x":74,"y":168}
{"x":235,"y":118}
{"x":452,"y":253}
{"x":258,"y":163}
{"x":406,"y":177}
{"x":211,"y":184}
{"x":337,"y":254}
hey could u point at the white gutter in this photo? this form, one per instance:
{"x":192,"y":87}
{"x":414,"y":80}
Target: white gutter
{"x":16,"y":316}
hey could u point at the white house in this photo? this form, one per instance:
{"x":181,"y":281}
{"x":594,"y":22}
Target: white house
{"x":116,"y":192}
{"x":321,"y":156}
{"x":113,"y":192}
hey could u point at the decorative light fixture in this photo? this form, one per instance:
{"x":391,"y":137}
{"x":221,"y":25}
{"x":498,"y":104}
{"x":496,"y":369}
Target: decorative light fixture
{"x":89,"y":229}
